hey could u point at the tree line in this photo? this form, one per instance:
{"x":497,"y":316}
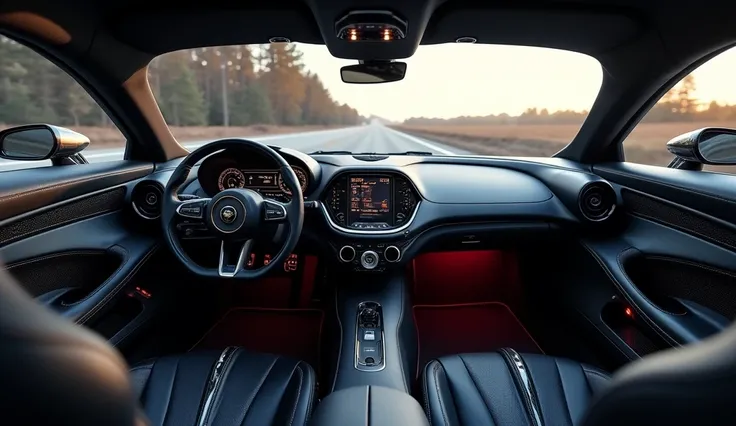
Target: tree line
{"x":212,"y":86}
{"x":677,"y":105}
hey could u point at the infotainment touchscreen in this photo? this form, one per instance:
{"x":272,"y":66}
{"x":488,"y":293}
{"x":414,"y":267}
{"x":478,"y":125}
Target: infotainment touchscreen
{"x":370,"y":199}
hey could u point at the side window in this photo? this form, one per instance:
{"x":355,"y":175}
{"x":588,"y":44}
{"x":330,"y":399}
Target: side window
{"x":704,"y":98}
{"x":35,"y":90}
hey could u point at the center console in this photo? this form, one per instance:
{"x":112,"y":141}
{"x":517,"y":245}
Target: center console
{"x":370,"y":206}
{"x":377,"y":337}
{"x":369,"y":406}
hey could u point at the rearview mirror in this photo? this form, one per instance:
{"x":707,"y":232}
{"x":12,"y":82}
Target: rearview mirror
{"x":373,"y":72}
{"x":40,"y":142}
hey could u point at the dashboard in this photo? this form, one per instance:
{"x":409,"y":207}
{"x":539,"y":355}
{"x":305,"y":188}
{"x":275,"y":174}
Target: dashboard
{"x":372,"y":212}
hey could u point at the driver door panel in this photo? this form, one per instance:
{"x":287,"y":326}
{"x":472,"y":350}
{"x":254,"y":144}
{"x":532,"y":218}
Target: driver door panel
{"x":68,"y":238}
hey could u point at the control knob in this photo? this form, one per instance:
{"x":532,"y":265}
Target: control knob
{"x":369,"y":259}
{"x":346,"y":254}
{"x":392,"y":254}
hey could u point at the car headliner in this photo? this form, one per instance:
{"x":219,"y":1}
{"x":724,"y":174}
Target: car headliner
{"x":644,"y":47}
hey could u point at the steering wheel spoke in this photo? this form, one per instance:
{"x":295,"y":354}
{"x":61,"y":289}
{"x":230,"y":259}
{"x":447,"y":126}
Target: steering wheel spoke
{"x":192,"y":209}
{"x":228,"y":249}
{"x":274,"y":211}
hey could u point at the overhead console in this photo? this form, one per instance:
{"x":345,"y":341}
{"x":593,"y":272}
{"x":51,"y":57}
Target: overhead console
{"x":375,"y":202}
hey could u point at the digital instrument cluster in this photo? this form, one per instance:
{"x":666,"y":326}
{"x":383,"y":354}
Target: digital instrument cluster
{"x":375,"y":201}
{"x":268,"y":183}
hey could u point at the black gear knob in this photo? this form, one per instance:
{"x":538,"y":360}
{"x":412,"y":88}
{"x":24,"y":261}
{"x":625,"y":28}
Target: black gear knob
{"x":369,"y":317}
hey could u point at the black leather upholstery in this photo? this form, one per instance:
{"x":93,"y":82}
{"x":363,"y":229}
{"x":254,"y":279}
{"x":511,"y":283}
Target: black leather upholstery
{"x":484,"y":388}
{"x":255,"y":389}
{"x":54,"y":372}
{"x":369,"y":406}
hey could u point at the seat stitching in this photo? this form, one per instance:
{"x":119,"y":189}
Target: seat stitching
{"x":298,"y":393}
{"x":258,"y":388}
{"x":477,"y":389}
{"x":562,"y":386}
{"x":311,"y":403}
{"x":597,"y":373}
{"x":226,"y":367}
{"x":519,"y":385}
{"x":439,"y":397}
{"x":171,"y":391}
{"x":140,"y":367}
{"x":426,"y":392}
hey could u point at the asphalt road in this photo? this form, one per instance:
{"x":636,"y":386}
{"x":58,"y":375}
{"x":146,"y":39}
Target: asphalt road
{"x":369,"y":138}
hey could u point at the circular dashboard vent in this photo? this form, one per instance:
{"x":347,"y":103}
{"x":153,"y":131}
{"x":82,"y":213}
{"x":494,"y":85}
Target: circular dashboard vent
{"x":146,"y":199}
{"x":597,"y":201}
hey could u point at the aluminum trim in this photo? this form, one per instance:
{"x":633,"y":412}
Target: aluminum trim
{"x":371,"y":232}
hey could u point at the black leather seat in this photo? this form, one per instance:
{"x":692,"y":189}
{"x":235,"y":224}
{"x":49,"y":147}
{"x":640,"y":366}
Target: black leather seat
{"x":507,"y":388}
{"x":232,"y":387}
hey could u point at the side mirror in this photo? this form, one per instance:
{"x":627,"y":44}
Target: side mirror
{"x":373,"y":72}
{"x":35,"y":142}
{"x":710,"y":145}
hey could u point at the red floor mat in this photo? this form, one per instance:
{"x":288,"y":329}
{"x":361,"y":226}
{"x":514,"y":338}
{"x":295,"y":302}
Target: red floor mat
{"x":444,"y":278}
{"x":479,"y":327}
{"x":289,"y":332}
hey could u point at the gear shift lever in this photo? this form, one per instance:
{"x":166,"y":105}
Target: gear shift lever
{"x":369,"y":338}
{"x":369,"y":318}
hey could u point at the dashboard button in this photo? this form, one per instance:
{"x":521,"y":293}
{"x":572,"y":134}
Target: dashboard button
{"x":369,"y":259}
{"x":193,"y":209}
{"x":274,"y":210}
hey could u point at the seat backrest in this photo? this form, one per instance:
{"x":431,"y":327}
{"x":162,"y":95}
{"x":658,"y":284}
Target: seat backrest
{"x":693,"y":385}
{"x":53,"y":372}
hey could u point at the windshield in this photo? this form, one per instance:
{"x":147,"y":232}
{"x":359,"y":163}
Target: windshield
{"x":455,"y":99}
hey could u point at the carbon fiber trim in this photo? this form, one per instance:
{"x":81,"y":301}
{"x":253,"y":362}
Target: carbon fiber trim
{"x":83,"y":208}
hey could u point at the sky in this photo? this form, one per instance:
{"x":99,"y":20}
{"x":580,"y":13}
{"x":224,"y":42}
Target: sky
{"x":451,"y":80}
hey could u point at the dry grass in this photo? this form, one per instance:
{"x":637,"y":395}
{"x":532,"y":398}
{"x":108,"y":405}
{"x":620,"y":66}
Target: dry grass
{"x":645,"y":144}
{"x":110,"y":137}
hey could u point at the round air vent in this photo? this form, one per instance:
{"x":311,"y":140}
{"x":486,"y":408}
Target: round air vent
{"x":146,"y":199}
{"x":597,"y":201}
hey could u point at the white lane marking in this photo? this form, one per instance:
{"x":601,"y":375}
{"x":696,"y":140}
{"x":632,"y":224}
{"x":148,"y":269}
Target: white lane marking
{"x":421,"y":142}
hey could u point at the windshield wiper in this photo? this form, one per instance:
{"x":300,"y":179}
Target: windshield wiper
{"x":410,"y":153}
{"x":343,"y":152}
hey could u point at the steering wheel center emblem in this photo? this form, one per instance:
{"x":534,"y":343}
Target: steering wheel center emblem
{"x":228,"y":214}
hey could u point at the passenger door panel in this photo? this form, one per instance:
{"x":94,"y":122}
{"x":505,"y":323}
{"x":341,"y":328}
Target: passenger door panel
{"x":672,"y":264}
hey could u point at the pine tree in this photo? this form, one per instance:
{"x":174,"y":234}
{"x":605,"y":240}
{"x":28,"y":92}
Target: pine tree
{"x":183,"y":104}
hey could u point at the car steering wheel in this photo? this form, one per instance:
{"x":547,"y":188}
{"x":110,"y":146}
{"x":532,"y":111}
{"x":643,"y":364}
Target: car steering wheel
{"x":234,"y":215}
